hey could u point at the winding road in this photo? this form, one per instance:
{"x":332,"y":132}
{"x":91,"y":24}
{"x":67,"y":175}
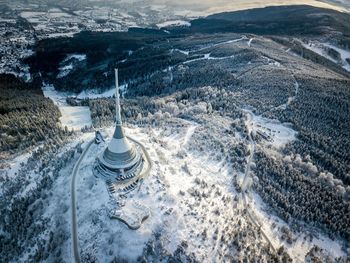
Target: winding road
{"x":145,"y":153}
{"x":76,"y":253}
{"x":75,"y":243}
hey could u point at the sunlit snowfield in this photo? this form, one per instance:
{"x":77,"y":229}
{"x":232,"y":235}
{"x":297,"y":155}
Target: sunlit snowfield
{"x":192,"y":200}
{"x":191,"y":195}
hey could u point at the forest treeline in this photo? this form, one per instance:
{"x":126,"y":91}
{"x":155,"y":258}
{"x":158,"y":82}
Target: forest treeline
{"x":22,"y":211}
{"x":322,"y":119}
{"x":295,"y":195}
{"x":26,"y":116}
{"x":104,"y":51}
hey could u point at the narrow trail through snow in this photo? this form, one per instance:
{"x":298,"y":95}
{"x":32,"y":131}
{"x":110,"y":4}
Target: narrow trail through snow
{"x":246,"y":187}
{"x":189,"y":134}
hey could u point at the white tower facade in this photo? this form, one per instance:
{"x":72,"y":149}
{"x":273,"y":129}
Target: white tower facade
{"x":121,"y":160}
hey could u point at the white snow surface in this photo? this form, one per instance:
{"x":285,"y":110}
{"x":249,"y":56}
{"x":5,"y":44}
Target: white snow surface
{"x":171,"y":211}
{"x":302,"y":245}
{"x":250,"y":42}
{"x":208,"y":57}
{"x":94,"y":94}
{"x":65,"y":69}
{"x":76,"y":117}
{"x":167,"y":192}
{"x":57,"y":35}
{"x":173,"y":23}
{"x":79,"y":57}
{"x":14,"y":165}
{"x":279,"y":134}
{"x":320,"y":48}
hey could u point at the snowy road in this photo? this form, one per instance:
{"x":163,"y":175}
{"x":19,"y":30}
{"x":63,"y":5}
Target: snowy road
{"x":146,"y":155}
{"x":75,"y":244}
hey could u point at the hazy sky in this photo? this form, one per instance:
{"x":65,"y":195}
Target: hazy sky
{"x":213,"y":6}
{"x":204,"y":7}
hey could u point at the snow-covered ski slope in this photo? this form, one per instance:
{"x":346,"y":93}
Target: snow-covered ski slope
{"x":73,"y":117}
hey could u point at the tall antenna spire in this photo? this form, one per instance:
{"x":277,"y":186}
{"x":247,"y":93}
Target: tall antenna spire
{"x":117,"y":100}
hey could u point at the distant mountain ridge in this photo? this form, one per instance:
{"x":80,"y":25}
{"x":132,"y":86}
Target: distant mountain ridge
{"x":274,"y":20}
{"x":271,"y":13}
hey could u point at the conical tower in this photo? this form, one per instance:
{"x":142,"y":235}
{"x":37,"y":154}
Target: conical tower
{"x":120,"y":160}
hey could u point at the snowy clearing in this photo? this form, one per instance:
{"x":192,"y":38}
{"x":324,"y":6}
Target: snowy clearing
{"x":273,"y":132}
{"x":173,"y":23}
{"x":344,"y":54}
{"x":279,"y":133}
{"x":321,"y":49}
{"x":56,"y":35}
{"x":76,"y":117}
{"x":208,"y":57}
{"x":94,"y":94}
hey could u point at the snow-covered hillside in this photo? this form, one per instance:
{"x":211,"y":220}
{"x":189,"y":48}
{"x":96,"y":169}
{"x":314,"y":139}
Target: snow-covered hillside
{"x":322,"y":49}
{"x":192,"y":201}
{"x":182,"y":190}
{"x":73,"y":117}
{"x":196,"y":211}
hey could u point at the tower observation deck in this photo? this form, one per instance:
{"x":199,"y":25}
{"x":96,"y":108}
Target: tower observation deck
{"x":121,"y":160}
